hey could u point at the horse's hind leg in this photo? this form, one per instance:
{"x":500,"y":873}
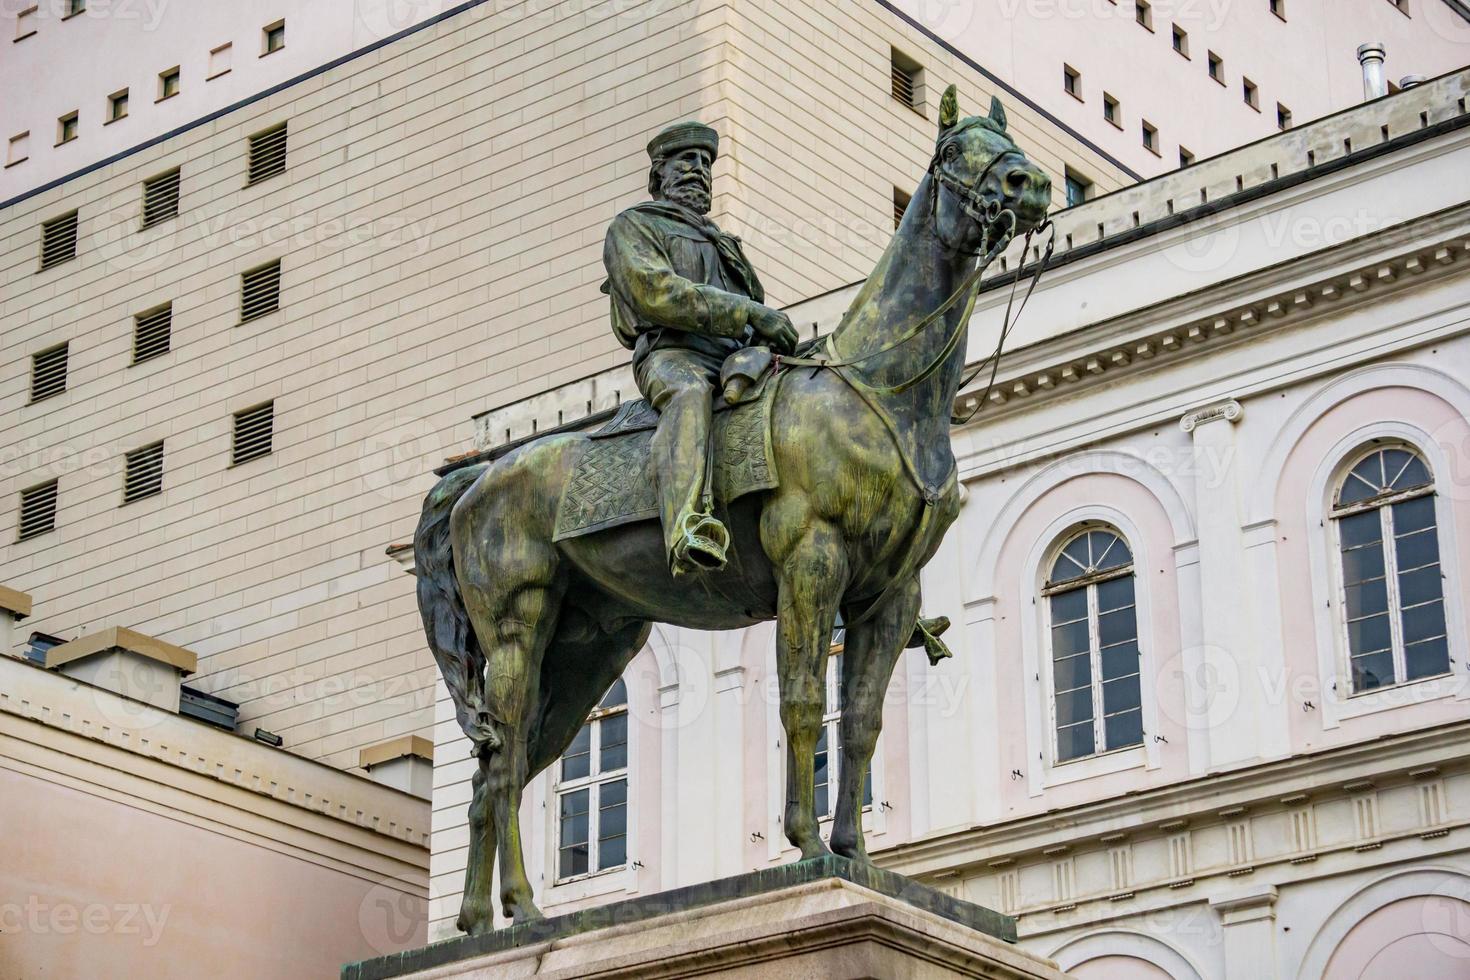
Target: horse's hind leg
{"x":574,"y":677}
{"x":475,"y":911}
{"x":870,"y":652}
{"x":512,"y":591}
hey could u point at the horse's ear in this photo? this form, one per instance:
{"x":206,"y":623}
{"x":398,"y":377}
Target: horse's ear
{"x":997,"y":113}
{"x":949,"y":110}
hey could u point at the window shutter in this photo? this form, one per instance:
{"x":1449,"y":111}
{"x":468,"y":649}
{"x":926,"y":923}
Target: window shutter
{"x":267,"y":154}
{"x":160,"y":198}
{"x":48,"y":373}
{"x":152,"y":332}
{"x":59,"y":240}
{"x":37,"y":510}
{"x":260,"y":291}
{"x":253,"y":429}
{"x":144,"y":473}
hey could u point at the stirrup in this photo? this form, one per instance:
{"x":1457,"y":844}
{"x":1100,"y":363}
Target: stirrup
{"x":702,"y":545}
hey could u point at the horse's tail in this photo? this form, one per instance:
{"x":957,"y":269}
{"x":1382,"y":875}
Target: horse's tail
{"x":446,"y":620}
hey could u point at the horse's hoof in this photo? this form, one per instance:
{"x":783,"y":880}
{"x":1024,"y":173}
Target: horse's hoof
{"x":523,"y":913}
{"x":474,"y":921}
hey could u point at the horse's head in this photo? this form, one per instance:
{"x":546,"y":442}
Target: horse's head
{"x":983,"y":185}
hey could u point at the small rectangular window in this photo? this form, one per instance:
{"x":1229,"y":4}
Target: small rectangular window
{"x":252,"y":433}
{"x":59,"y":240}
{"x":219,"y":62}
{"x":1278,"y":7}
{"x":1150,"y":137}
{"x":1181,"y":40}
{"x":161,"y":198}
{"x":1283,"y":116}
{"x":48,"y":372}
{"x":37,"y":510}
{"x":152,"y":333}
{"x":260,"y":291}
{"x":168,"y":84}
{"x":1144,"y":14}
{"x":117,"y":106}
{"x":1250,"y":93}
{"x":143,"y":473}
{"x":900,"y":205}
{"x":1111,"y":111}
{"x":1079,"y":188}
{"x":66,"y":128}
{"x":74,"y":7}
{"x":1217,"y":68}
{"x":267,"y":154}
{"x":1186,"y":158}
{"x":1072,"y":82}
{"x":25,"y":23}
{"x":273,"y":38}
{"x":20,"y":149}
{"x":907,"y":76}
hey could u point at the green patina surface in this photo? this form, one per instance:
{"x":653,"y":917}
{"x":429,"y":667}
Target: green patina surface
{"x":829,"y":866}
{"x":540,"y":573}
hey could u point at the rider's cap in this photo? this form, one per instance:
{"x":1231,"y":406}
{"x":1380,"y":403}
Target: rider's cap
{"x":681,"y":136}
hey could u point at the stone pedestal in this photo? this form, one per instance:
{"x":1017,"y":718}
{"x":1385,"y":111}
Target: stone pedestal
{"x":827,"y":918}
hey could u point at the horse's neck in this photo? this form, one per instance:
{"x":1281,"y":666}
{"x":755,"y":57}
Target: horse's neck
{"x":915,"y":277}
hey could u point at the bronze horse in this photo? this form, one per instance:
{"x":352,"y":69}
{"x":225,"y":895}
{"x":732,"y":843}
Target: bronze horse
{"x":529,"y":632}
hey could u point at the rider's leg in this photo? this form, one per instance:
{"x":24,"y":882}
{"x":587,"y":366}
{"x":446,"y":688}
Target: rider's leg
{"x":680,"y":385}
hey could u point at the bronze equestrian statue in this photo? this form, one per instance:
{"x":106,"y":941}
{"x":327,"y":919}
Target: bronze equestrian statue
{"x":684,"y":298}
{"x":531,"y":623}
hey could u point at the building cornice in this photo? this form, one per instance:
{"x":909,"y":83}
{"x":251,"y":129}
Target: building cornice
{"x":1212,"y":797}
{"x":35,"y":701}
{"x":1327,"y":283}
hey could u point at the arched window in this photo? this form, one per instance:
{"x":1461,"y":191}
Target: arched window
{"x":592,"y":792}
{"x":1392,"y":585}
{"x":1093,"y":631}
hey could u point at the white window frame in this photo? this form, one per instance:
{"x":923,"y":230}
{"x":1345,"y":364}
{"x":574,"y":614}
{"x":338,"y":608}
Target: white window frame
{"x":593,"y":782}
{"x":1094,"y":642}
{"x":1040,"y":767}
{"x":1383,"y":504}
{"x":1337,"y":707}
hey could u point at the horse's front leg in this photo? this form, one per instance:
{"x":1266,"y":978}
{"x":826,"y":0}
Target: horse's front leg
{"x":811,"y":574}
{"x":870,"y":651}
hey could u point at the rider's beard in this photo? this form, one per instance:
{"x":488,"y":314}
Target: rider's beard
{"x":691,"y":194}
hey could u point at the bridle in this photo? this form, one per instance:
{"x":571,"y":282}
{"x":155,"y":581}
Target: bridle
{"x":988,"y":214}
{"x":984,"y":213}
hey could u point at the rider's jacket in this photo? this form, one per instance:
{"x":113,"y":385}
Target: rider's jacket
{"x":676,"y":280}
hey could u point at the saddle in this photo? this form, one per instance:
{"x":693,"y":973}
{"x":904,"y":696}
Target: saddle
{"x":613,"y":483}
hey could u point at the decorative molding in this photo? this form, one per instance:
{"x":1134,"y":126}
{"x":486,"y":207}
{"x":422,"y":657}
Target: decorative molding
{"x":1230,"y":411}
{"x":17,"y":603}
{"x":1338,"y":292}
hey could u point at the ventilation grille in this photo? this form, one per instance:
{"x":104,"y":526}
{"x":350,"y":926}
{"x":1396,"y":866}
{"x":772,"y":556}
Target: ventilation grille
{"x":152,"y":332}
{"x":160,"y":198}
{"x":900,"y":205}
{"x":144,"y":475}
{"x":48,"y":373}
{"x":37,"y":510}
{"x":260,"y":291}
{"x":267,"y":154}
{"x":903,"y":84}
{"x":253,"y":429}
{"x":59,"y":240}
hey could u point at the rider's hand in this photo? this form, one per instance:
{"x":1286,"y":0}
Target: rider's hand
{"x":774,"y":327}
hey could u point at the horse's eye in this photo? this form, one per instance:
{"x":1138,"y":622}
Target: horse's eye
{"x":951,"y":152}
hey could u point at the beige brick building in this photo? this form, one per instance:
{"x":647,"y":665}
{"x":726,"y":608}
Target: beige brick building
{"x":438,"y":226}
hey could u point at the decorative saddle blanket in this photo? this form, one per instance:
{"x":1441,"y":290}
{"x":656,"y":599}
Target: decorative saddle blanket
{"x":613,"y":484}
